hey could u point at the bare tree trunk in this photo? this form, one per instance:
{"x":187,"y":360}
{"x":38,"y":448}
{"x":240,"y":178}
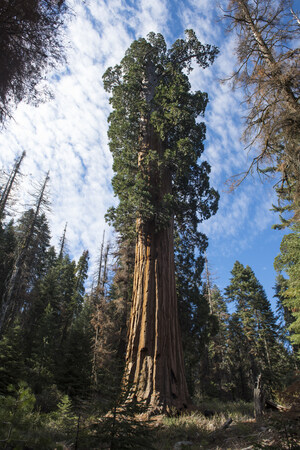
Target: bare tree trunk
{"x":259,"y":399}
{"x":63,"y":243}
{"x":208,"y":287}
{"x":10,"y":183}
{"x":268,"y":56}
{"x":154,"y":360}
{"x":100,"y":261}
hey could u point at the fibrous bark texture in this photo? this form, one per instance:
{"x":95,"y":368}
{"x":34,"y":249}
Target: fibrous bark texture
{"x":154,"y":359}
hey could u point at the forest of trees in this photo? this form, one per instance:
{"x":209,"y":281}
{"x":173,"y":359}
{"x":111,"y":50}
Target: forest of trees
{"x":150,"y":330}
{"x":63,"y":346}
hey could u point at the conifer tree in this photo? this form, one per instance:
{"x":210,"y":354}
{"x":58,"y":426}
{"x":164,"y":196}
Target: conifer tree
{"x":74,"y":368}
{"x":81,"y":275}
{"x":36,"y":259}
{"x":30,"y":33}
{"x":284,"y":314}
{"x":156,"y":144}
{"x":121,"y":290}
{"x":11,"y":301}
{"x":7,"y":190}
{"x":108,"y":311}
{"x":256,"y":325}
{"x":8,"y":244}
{"x":218,"y":378}
{"x":62,"y":243}
{"x":53,"y":321}
{"x":289,"y":261}
{"x":242,"y":366}
{"x":196,"y":323}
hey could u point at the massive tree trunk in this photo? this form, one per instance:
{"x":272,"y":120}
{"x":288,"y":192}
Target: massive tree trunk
{"x":154,"y":359}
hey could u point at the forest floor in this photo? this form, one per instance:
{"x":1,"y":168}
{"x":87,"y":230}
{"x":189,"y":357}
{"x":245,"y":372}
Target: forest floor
{"x":276,"y":430}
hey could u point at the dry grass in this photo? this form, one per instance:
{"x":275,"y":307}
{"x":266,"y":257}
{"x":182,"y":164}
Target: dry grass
{"x":273,"y":432}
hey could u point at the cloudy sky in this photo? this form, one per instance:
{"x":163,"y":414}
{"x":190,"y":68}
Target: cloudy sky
{"x":68,"y":135}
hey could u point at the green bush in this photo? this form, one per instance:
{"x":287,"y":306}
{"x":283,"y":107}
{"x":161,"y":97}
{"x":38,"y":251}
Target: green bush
{"x":20,"y":425}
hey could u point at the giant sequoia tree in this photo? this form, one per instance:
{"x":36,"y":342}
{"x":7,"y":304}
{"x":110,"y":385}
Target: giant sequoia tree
{"x":156,"y":145}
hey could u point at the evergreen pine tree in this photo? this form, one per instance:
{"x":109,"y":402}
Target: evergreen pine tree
{"x":289,"y":261}
{"x":218,"y":378}
{"x":256,"y":325}
{"x":12,"y":300}
{"x":284,"y":315}
{"x":8,"y":244}
{"x":196,"y":323}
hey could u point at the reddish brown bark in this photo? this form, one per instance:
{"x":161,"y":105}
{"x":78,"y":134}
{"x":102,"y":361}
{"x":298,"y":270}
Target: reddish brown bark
{"x":154,"y":359}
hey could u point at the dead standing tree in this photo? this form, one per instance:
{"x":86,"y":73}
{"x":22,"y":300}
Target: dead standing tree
{"x":268,"y":71}
{"x":6,"y":193}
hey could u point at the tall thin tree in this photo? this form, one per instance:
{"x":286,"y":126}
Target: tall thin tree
{"x":8,"y":188}
{"x":11,"y":303}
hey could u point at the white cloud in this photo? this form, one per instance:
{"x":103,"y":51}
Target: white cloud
{"x":68,"y":134}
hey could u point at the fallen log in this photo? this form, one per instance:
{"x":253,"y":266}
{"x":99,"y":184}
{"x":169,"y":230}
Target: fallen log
{"x":226,"y":424}
{"x":274,"y":406}
{"x":215,"y":434}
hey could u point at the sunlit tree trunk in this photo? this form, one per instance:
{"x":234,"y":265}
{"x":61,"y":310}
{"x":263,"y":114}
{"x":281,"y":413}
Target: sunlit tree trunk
{"x":154,"y":358}
{"x":156,"y":144}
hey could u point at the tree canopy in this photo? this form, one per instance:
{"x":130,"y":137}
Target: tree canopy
{"x":166,"y":104}
{"x":30,"y":35}
{"x":268,"y":72}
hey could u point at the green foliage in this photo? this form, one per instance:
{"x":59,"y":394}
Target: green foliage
{"x":150,"y":87}
{"x":49,"y":343}
{"x":63,"y":420}
{"x":289,"y":261}
{"x":217,"y":378}
{"x":31,"y":43}
{"x":73,"y":369}
{"x":192,"y":306}
{"x":35,"y":259}
{"x":12,"y":367}
{"x":156,"y":144}
{"x":254,"y":332}
{"x":22,"y":427}
{"x":124,"y":426}
{"x":7,"y":249}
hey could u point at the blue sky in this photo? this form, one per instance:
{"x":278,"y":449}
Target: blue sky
{"x":68,"y":135}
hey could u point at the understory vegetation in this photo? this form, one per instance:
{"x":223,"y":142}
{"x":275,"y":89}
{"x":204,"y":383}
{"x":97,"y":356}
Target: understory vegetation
{"x":62,"y":351}
{"x":108,"y":361}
